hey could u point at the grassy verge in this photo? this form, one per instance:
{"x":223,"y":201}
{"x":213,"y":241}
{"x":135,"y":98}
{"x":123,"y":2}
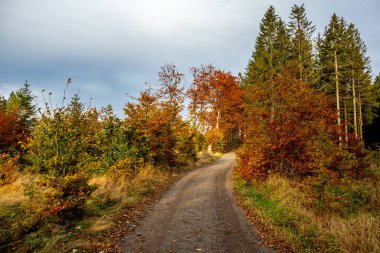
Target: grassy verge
{"x":115,"y":202}
{"x":281,"y":205}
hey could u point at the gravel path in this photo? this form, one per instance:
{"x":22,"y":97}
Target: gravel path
{"x":197,"y":214}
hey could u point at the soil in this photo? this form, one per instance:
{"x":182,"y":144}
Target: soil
{"x":197,"y":214}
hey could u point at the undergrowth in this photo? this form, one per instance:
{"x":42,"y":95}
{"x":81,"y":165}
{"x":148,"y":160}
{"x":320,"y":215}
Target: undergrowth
{"x":23,"y":230}
{"x":351,"y":224}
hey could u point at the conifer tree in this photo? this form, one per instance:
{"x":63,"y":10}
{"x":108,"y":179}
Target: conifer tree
{"x":332,"y":62}
{"x":23,"y":101}
{"x":301,"y":31}
{"x":358,"y":72}
{"x":344,"y":69}
{"x":269,"y":57}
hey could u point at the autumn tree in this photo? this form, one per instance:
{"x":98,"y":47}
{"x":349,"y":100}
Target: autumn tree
{"x":17,"y":118}
{"x":11,"y":131}
{"x":215,"y":105}
{"x":300,"y":141}
{"x":11,"y":136}
{"x":284,"y":144}
{"x":154,"y":122}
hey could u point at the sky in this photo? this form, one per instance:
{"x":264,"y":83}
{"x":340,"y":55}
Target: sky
{"x":110,"y":48}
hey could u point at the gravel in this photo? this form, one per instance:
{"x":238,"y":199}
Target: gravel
{"x":197,"y":214}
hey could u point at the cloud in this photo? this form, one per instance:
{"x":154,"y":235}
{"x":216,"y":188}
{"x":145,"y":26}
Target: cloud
{"x":110,"y":47}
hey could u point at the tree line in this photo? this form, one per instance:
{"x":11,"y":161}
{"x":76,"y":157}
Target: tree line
{"x":66,"y":145}
{"x":307,"y":103}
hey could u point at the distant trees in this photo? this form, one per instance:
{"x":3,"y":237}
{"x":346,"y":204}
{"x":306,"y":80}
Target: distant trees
{"x":215,"y":106}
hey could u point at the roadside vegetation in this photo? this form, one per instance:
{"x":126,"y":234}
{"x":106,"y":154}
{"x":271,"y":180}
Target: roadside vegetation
{"x":72,"y":176}
{"x":303,"y":170}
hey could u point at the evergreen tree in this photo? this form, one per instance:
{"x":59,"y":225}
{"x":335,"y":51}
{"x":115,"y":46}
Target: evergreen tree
{"x":344,"y":72}
{"x":23,"y":101}
{"x":269,"y":57}
{"x":282,"y":46}
{"x":358,"y":82}
{"x":332,"y":62}
{"x":301,"y":31}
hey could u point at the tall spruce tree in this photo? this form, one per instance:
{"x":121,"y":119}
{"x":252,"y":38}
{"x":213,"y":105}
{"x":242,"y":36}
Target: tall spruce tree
{"x":358,"y":72}
{"x":344,"y":72}
{"x":332,"y":62}
{"x":301,"y":31}
{"x":269,"y":57}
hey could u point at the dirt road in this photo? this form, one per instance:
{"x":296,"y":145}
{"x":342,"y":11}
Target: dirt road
{"x":197,"y":214}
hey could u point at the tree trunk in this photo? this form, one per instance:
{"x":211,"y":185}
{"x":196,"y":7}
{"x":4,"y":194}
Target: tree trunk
{"x":354,"y":104}
{"x":299,"y":51}
{"x":345,"y":121}
{"x":209,"y":149}
{"x":337,"y":96}
{"x":217,"y":119}
{"x":271,"y":81}
{"x":360,"y":118}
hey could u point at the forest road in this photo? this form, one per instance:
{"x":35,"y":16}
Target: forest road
{"x":197,"y":214}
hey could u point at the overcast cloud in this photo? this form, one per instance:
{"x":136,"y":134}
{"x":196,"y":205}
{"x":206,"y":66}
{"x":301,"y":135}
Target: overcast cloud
{"x":113,"y":47}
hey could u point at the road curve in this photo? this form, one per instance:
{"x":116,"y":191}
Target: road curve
{"x":197,"y":214}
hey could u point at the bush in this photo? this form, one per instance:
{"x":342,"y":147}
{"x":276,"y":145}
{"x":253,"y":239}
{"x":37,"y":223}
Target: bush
{"x":8,"y":167}
{"x":63,"y":151}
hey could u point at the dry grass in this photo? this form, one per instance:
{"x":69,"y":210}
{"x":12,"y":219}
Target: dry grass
{"x":360,"y":234}
{"x":13,"y":194}
{"x":114,"y":196}
{"x":279,"y":203}
{"x":124,"y":187}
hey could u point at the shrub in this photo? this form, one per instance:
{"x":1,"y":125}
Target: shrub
{"x":63,"y":151}
{"x":8,"y":167}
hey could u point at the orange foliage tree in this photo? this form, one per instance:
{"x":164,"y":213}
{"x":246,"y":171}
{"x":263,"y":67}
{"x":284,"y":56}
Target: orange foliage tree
{"x":157,"y":132}
{"x":215,"y":105}
{"x":298,"y":141}
{"x":11,"y":130}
